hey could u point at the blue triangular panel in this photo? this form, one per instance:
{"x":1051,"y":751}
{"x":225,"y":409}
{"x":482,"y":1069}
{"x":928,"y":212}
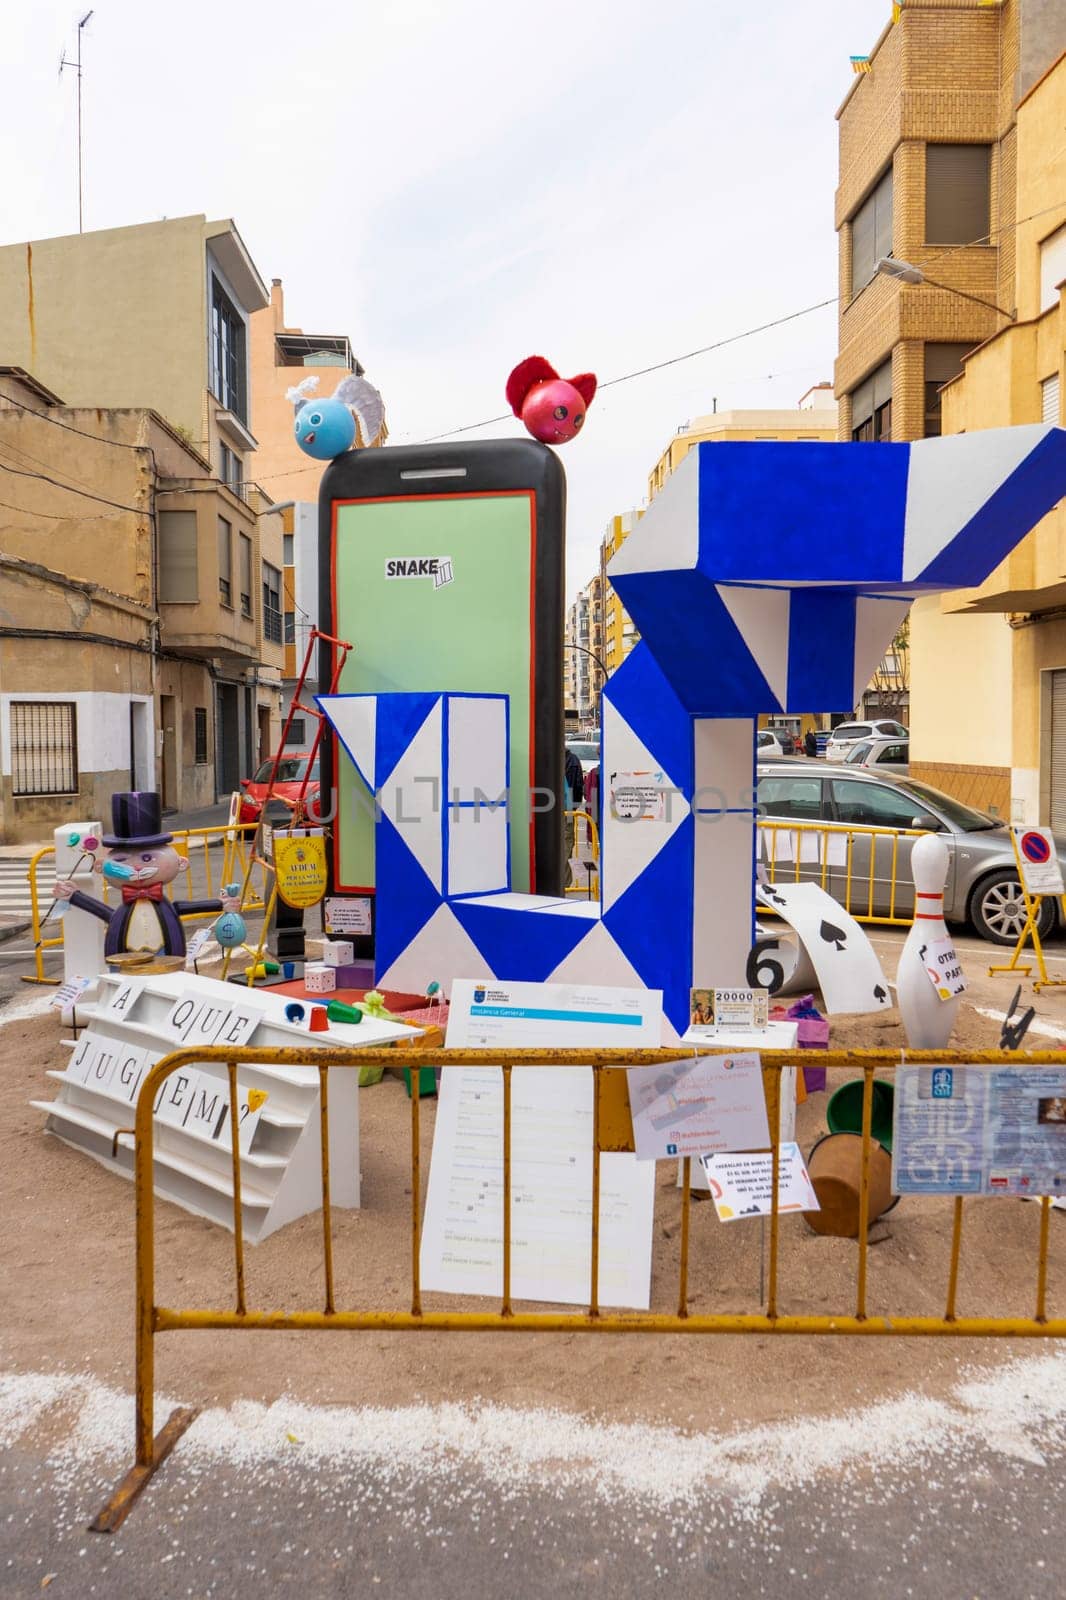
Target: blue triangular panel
{"x":399,"y":718}
{"x":407,"y":900}
{"x":662,"y":956}
{"x":657,"y":717}
{"x":526,"y":945}
{"x":697,"y":644}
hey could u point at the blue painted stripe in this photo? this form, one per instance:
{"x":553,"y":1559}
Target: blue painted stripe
{"x":536,"y":1014}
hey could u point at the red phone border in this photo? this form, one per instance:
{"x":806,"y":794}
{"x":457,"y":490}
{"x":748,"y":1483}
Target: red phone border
{"x":473,"y":494}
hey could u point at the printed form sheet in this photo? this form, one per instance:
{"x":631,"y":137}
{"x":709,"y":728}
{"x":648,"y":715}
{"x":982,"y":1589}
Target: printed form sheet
{"x":551,"y":1170}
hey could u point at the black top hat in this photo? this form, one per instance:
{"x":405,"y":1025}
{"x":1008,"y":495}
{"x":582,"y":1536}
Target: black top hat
{"x":137,"y":819}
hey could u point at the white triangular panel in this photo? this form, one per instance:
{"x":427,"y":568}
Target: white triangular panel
{"x":949,"y":480}
{"x":597,"y":959}
{"x":876,"y":624}
{"x":762,"y":617}
{"x":629,"y":847}
{"x":411,"y":796}
{"x":354,"y":718}
{"x":667,"y":537}
{"x":440,"y":952}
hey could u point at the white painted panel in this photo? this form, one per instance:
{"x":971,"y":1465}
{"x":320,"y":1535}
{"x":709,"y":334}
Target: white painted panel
{"x":722,"y":898}
{"x":477,"y":849}
{"x":876,"y":624}
{"x":724,"y":750}
{"x":762,"y":616}
{"x":355,"y":719}
{"x":477,"y":746}
{"x":949,"y":480}
{"x":441,"y":951}
{"x":629,"y":847}
{"x":667,"y":537}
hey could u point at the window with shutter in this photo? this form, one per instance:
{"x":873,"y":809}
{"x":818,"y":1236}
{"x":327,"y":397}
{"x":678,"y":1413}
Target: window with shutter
{"x":942,"y":363}
{"x":177,"y":557}
{"x":957,"y":193}
{"x":1049,"y":399}
{"x":871,"y":233}
{"x":1052,"y":267}
{"x":871,"y":406}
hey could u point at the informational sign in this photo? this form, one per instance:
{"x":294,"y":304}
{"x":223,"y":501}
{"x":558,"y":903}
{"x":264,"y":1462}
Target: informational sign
{"x":350,"y":914}
{"x":743,"y":1185}
{"x":300,"y":868}
{"x":943,"y":967}
{"x":638,"y":796}
{"x":1039,"y":858}
{"x":732,"y":1009}
{"x":693,"y":1107}
{"x":69,"y":992}
{"x":551,"y":1151}
{"x":528,"y":1015}
{"x":972,"y":1130}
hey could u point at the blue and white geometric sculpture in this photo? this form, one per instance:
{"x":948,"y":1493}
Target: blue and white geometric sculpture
{"x":763,"y":577}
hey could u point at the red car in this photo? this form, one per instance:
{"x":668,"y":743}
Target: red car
{"x":291,"y":772}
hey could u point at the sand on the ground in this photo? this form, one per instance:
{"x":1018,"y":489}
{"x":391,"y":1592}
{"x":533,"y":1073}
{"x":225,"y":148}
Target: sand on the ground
{"x":66,"y":1265}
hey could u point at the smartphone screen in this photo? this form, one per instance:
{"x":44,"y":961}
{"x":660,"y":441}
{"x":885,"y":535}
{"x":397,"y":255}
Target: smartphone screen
{"x":452,"y":581}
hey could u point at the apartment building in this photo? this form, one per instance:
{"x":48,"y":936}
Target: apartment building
{"x":136,"y":596}
{"x":950,"y":194}
{"x":619,"y":631}
{"x":130,"y":347}
{"x":815,"y":417}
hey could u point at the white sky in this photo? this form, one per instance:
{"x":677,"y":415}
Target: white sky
{"x":458,"y":185}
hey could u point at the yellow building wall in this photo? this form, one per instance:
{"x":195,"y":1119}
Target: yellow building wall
{"x":112,"y":318}
{"x":961,"y":717}
{"x":997,"y":642}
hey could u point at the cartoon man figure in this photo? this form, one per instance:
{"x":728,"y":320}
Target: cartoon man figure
{"x":141,"y":859}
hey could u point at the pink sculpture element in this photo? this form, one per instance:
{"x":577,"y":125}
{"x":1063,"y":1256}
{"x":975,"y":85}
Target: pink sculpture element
{"x":552,"y":408}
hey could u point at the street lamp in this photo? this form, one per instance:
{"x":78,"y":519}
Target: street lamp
{"x":906,"y":272}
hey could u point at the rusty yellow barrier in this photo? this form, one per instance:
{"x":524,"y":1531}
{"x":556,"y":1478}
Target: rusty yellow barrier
{"x":233,"y":838}
{"x":583,"y":823}
{"x":153,"y":1319}
{"x":855,"y":881}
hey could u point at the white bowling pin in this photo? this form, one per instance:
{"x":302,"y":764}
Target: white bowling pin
{"x":927,"y":1020}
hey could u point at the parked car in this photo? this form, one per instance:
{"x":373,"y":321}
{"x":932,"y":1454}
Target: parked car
{"x":880,"y":753}
{"x":768,"y":744}
{"x":587,"y":752}
{"x":290,"y":775}
{"x":842,"y":738}
{"x":982,"y":886}
{"x":786,"y":739}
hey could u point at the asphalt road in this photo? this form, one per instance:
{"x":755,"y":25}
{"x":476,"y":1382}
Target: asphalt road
{"x":993,"y":1531}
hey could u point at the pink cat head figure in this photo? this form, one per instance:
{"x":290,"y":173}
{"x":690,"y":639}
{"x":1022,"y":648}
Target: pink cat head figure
{"x":552,"y":408}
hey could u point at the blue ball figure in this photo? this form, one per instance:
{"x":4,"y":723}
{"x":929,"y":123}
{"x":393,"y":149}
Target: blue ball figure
{"x":326,"y":428}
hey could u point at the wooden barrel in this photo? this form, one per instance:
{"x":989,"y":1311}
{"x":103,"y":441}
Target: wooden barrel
{"x":835,"y":1166}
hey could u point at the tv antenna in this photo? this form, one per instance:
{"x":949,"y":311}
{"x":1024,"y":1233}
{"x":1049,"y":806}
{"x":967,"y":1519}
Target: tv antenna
{"x":76,"y":64}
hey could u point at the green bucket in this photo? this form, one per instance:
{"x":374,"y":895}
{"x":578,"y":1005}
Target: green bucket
{"x":844,"y":1111}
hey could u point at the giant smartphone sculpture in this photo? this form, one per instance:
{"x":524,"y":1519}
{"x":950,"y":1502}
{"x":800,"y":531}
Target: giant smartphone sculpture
{"x":443,"y":566}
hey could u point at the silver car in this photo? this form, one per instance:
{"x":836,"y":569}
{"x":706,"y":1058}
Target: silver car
{"x":881,"y":753}
{"x":982,"y":886}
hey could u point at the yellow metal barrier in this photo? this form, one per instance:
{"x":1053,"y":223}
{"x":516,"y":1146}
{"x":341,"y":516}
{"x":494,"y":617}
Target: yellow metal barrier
{"x":234,"y":864}
{"x":583,"y":838}
{"x":153,"y":1319}
{"x":843,"y":859}
{"x":1030,"y":931}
